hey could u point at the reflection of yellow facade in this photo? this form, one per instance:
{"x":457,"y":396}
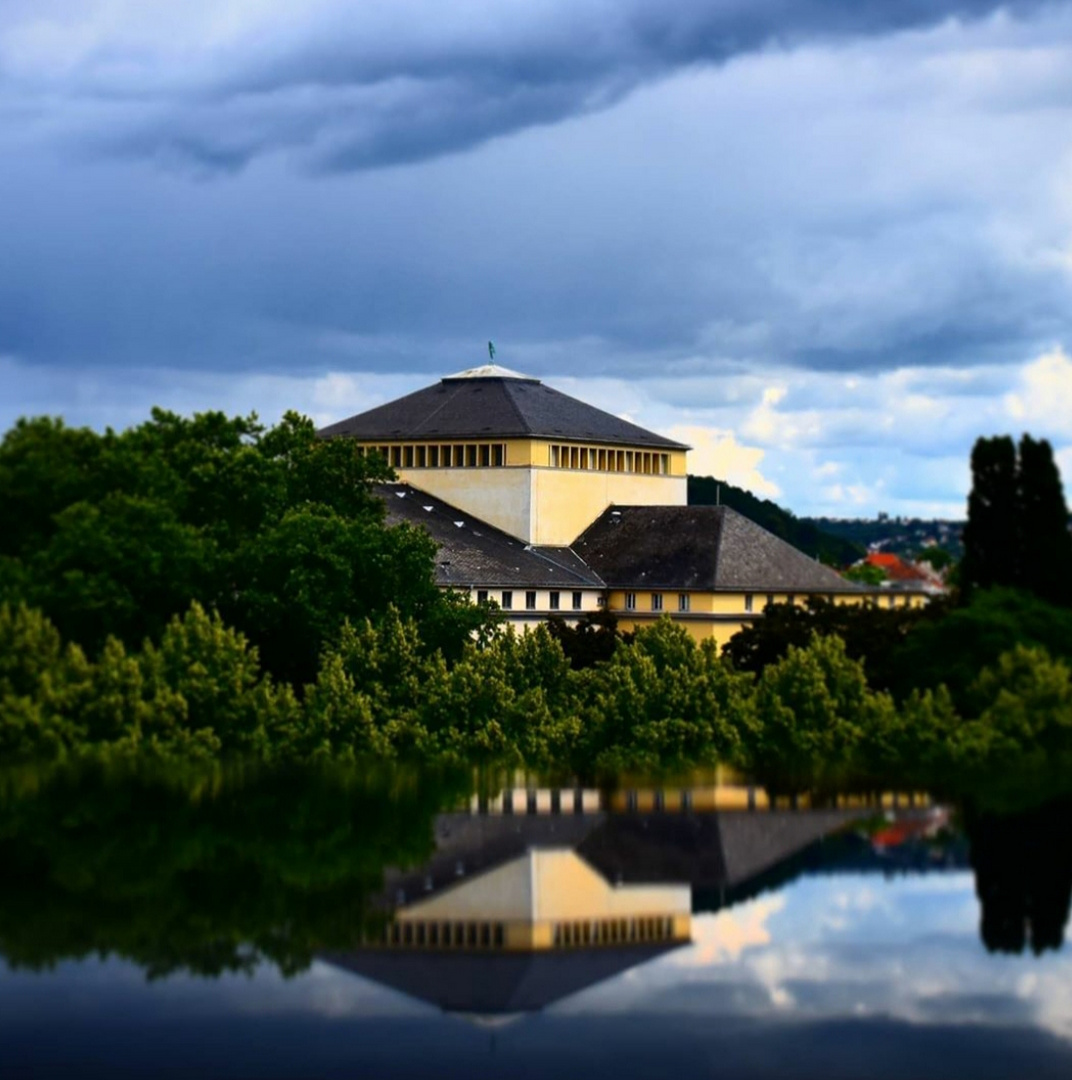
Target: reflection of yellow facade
{"x":545,"y":899}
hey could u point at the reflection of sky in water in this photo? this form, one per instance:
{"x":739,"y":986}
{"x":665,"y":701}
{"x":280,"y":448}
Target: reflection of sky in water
{"x":850,"y":945}
{"x":897,"y":958}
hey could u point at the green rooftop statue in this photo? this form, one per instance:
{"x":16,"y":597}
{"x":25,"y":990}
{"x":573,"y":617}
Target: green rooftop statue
{"x":491,"y":350}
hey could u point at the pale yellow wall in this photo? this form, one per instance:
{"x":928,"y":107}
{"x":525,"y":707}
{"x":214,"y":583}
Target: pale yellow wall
{"x":567,"y":501}
{"x":589,"y":602}
{"x":543,"y":505}
{"x":699,"y":629}
{"x":547,"y":885}
{"x":501,"y":497}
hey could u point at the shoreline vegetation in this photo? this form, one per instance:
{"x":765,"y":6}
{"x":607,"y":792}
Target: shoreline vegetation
{"x":208,"y":588}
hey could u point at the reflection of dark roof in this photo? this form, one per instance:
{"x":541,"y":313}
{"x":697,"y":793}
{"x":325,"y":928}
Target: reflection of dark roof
{"x":494,"y":408}
{"x":471,"y":552}
{"x":712,"y":851}
{"x":475,"y":982}
{"x":698,"y":547}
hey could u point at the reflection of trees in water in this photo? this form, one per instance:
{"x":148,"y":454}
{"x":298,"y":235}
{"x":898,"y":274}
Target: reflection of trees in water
{"x":1023,"y":876}
{"x":205,"y":873}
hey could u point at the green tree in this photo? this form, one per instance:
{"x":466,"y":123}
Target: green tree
{"x":813,"y":707}
{"x":991,"y":536}
{"x":661,"y":700}
{"x":1045,"y":540}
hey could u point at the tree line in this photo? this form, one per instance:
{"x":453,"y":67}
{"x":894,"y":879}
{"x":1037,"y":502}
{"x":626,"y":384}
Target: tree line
{"x":809,"y":720}
{"x":206,"y":587}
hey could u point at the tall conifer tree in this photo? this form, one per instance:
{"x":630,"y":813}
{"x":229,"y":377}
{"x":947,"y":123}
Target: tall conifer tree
{"x":1045,"y":542}
{"x":991,"y":537}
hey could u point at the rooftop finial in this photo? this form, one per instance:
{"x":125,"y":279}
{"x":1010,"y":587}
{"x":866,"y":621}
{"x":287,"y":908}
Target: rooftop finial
{"x":491,"y":350}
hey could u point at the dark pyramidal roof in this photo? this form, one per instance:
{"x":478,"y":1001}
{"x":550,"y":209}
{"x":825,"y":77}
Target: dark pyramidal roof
{"x":486,"y":984}
{"x":492,"y":402}
{"x":698,"y":547}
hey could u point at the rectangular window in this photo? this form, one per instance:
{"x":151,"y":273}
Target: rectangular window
{"x":683,"y":601}
{"x":530,"y":600}
{"x":629,"y":461}
{"x":748,"y":601}
{"x":422,"y":457}
{"x":470,"y":455}
{"x":458,"y":457}
{"x":554,"y":457}
{"x":498,"y":455}
{"x":507,"y":600}
{"x":602,"y":461}
{"x":553,"y":602}
{"x":574,"y":457}
{"x":485,"y":455}
{"x":656,"y":601}
{"x":630,"y":601}
{"x":482,"y":596}
{"x":576,"y":601}
{"x":385,"y":453}
{"x":433,"y":457}
{"x":770,"y":599}
{"x":791,"y":599}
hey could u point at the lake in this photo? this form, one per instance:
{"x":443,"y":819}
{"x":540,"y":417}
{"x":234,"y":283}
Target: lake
{"x":249,"y":923}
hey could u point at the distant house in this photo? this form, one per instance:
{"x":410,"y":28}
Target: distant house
{"x":549,"y":507}
{"x":906,"y":576}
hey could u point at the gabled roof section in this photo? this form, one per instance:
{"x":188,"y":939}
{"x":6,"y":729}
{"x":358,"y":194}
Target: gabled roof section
{"x":699,"y":547}
{"x":500,"y":404}
{"x":474,"y":554}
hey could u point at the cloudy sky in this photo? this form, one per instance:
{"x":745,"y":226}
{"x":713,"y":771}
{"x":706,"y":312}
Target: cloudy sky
{"x":827,"y":243}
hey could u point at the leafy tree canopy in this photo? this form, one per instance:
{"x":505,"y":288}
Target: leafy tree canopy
{"x":115,"y":533}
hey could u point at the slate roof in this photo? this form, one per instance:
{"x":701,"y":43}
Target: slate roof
{"x":698,"y":547}
{"x":495,"y":983}
{"x":473,"y":553}
{"x":475,"y":406}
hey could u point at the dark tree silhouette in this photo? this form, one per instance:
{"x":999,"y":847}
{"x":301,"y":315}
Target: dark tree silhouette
{"x":1045,"y":542}
{"x":1017,"y":532}
{"x":991,"y":536}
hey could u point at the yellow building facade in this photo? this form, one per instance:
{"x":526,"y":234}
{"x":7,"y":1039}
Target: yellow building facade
{"x":550,"y":507}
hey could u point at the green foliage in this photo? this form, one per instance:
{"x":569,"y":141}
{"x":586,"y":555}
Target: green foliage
{"x":866,"y":574}
{"x":591,"y":640}
{"x":813,"y":707}
{"x":951,"y":646}
{"x":114,"y":534}
{"x":871,"y":634}
{"x":935,"y":556}
{"x":1017,"y":533}
{"x":662,"y":700}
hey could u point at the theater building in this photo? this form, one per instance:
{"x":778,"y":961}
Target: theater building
{"x":549,"y":507}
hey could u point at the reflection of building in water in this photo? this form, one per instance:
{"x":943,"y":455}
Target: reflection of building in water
{"x":546,"y":898}
{"x":527,"y":932}
{"x":515,"y":911}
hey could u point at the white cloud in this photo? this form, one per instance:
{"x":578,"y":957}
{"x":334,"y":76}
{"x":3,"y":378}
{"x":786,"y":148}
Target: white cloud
{"x":718,"y":453}
{"x":1042,"y":401}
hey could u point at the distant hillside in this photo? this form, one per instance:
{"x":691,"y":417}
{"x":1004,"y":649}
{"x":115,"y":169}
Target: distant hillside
{"x":901,"y":536}
{"x":802,"y":534}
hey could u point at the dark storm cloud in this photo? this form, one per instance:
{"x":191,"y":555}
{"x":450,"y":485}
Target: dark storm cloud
{"x":350,"y":87}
